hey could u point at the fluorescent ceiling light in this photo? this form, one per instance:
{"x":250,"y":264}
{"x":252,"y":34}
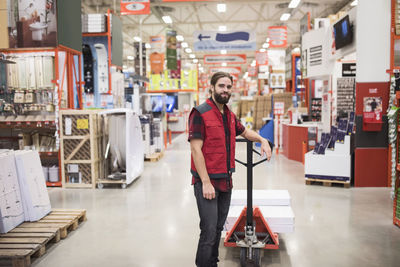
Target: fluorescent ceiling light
{"x":148,"y":46}
{"x":180,"y":38}
{"x":354,"y":3}
{"x":195,"y":60}
{"x":294,"y":3}
{"x":184,"y":44}
{"x":265,"y":45}
{"x":221,"y":8}
{"x":167,"y":19}
{"x":285,"y":17}
{"x":188,"y":50}
{"x":223,"y":52}
{"x":192,"y":56}
{"x":223,"y":64}
{"x":296,"y":50}
{"x":262,"y":50}
{"x":222,"y":28}
{"x":137,"y":38}
{"x":130,"y":57}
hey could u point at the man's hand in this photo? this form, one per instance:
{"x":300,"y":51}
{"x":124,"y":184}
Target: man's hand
{"x":208,"y":190}
{"x":266,"y":149}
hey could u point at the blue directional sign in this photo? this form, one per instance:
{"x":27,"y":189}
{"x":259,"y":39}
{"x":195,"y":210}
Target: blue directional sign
{"x":214,"y":40}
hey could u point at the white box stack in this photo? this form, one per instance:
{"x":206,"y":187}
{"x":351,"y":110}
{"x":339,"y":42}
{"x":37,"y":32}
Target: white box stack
{"x":11,"y":210}
{"x":273,"y":204}
{"x":94,"y":23}
{"x":35,"y":198}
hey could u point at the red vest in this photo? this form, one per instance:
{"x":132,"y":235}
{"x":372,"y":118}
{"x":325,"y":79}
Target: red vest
{"x":214,"y":146}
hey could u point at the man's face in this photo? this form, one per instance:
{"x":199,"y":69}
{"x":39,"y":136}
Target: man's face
{"x":222,"y":90}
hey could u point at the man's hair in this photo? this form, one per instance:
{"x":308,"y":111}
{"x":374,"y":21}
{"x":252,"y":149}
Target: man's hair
{"x":218,"y":75}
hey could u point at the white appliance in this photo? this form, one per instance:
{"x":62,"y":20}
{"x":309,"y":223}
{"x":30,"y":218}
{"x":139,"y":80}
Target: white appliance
{"x":126,"y":142}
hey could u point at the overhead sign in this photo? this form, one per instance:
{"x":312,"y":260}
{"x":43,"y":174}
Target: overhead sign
{"x":231,"y":70}
{"x":137,"y":7}
{"x":228,"y":59}
{"x":261,"y":58}
{"x":214,"y":40}
{"x":277,"y":36}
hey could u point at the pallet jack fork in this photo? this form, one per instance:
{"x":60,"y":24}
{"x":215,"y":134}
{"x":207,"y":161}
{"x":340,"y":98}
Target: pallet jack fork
{"x":251,"y":231}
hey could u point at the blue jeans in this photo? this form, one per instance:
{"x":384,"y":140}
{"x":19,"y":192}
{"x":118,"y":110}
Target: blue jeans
{"x":212,"y":214}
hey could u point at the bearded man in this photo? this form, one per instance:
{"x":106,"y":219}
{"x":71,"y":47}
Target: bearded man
{"x":212,"y":133}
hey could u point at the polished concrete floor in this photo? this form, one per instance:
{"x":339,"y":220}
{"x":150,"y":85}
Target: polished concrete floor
{"x":154,"y":222}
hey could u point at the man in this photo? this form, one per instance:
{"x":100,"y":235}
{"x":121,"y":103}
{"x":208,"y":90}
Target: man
{"x":212,"y":132}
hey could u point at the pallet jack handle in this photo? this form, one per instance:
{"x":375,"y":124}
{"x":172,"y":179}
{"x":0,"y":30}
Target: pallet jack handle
{"x":250,"y":165}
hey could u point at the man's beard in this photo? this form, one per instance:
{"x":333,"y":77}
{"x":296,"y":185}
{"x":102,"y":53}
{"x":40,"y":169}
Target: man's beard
{"x":222,"y":99}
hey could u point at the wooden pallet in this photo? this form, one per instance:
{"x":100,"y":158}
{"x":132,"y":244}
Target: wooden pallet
{"x":155,"y":157}
{"x":327,"y":182}
{"x":31,"y":239}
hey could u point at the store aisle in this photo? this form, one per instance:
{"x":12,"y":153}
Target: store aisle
{"x":154,"y":222}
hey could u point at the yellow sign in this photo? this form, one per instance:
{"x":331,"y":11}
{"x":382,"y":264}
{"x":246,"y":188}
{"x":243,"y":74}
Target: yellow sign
{"x":82,"y":124}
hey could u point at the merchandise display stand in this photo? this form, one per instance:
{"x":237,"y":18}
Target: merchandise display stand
{"x":105,"y":58}
{"x":64,"y":82}
{"x":394,"y":104}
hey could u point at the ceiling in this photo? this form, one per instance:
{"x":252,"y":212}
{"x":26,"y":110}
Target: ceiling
{"x":190,"y":16}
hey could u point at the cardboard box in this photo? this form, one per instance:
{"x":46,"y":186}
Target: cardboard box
{"x":3,"y":26}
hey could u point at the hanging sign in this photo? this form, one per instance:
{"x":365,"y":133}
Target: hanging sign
{"x":231,"y":70}
{"x":228,"y":59}
{"x":137,"y":7}
{"x":261,"y":58}
{"x":171,"y":50}
{"x":252,"y":70}
{"x":277,"y":36}
{"x":214,"y":40}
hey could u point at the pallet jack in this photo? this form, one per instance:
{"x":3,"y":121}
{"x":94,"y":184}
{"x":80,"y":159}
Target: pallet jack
{"x":251,"y":232}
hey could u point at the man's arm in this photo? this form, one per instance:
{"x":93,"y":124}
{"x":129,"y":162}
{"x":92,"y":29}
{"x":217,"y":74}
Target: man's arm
{"x":255,"y":137}
{"x":200,"y":164}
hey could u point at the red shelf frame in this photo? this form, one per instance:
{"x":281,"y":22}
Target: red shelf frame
{"x":50,"y":184}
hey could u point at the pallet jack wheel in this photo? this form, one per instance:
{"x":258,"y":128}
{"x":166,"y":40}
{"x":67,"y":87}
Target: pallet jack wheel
{"x":256,"y":257}
{"x":243,"y":257}
{"x":100,"y":186}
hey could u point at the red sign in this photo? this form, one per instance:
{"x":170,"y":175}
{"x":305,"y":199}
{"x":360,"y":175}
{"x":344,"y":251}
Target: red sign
{"x":261,"y":58}
{"x":228,"y":59}
{"x":252,"y":70}
{"x":372,"y":121}
{"x":231,"y":70}
{"x":277,"y":36}
{"x":137,"y":7}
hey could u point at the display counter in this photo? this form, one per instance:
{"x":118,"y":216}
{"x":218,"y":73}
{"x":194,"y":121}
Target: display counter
{"x":293,"y":136}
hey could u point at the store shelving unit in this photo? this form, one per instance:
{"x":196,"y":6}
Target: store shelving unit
{"x":394,"y":68}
